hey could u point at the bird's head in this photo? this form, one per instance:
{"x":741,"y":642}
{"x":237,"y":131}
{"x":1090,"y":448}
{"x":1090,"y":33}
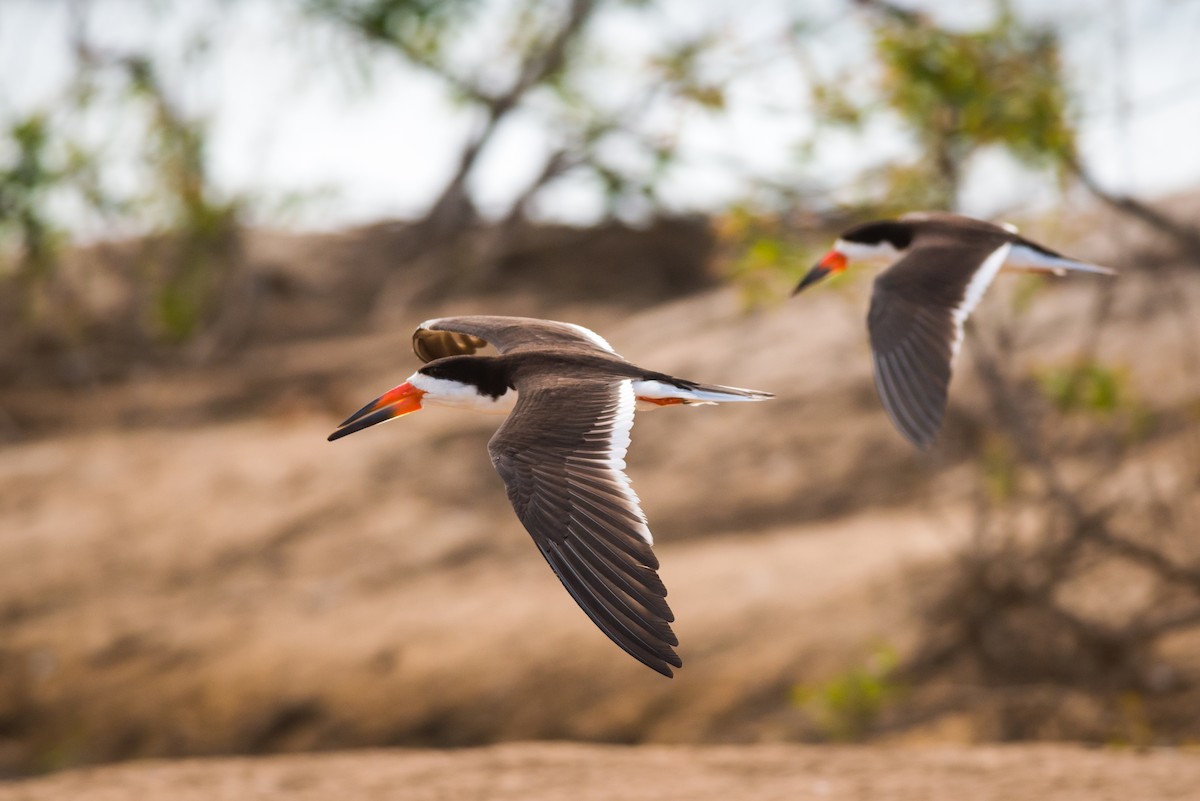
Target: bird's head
{"x":473,"y":382}
{"x":880,"y":242}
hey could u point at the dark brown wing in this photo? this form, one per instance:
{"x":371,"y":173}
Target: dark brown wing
{"x":561,"y":454}
{"x":457,"y":336}
{"x":918,"y":308}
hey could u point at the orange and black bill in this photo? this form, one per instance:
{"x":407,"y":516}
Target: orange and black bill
{"x":833,"y":262}
{"x":404,"y":399}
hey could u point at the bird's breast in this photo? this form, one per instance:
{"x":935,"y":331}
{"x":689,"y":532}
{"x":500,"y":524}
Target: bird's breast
{"x":475,"y":402}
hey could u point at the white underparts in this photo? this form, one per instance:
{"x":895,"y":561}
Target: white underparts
{"x":979,"y":283}
{"x":617,"y":424}
{"x":455,"y":394}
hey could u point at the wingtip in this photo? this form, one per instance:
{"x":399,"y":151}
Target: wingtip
{"x":921,"y":440}
{"x":669,"y":661}
{"x":925,"y":443}
{"x":922,"y":436}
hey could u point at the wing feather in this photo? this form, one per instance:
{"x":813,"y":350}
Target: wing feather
{"x":918,"y":307}
{"x":561,"y":454}
{"x":917,"y":383}
{"x":618,"y":628}
{"x":458,"y":336}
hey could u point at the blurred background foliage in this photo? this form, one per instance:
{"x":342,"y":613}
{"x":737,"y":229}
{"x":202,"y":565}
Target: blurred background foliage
{"x":118,"y":151}
{"x":1002,"y":86}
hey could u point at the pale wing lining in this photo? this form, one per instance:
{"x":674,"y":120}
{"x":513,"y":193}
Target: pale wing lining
{"x":615,"y":429}
{"x":592,"y":337}
{"x":978,"y":285}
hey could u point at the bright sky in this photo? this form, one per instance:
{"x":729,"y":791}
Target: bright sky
{"x":293,"y":119}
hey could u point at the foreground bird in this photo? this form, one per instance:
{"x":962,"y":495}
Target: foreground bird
{"x":561,"y":454}
{"x":941,"y":264}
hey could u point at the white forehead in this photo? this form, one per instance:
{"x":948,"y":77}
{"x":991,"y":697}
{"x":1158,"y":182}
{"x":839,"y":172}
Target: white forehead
{"x":442,"y":387}
{"x":861,"y":251}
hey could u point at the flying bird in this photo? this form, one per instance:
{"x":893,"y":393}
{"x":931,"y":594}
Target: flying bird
{"x":561,"y":454}
{"x":940,"y":266}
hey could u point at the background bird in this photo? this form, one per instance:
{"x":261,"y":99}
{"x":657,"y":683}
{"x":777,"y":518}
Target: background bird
{"x":940,"y":266}
{"x":561,"y":454}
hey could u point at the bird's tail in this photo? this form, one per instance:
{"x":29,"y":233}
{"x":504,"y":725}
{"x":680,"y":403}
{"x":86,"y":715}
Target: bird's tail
{"x":679,"y":391}
{"x":1022,"y":258}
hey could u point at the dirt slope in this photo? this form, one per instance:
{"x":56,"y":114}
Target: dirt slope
{"x":187,"y":567}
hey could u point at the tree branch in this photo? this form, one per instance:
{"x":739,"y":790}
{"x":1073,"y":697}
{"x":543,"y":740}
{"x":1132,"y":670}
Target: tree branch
{"x":546,"y":60}
{"x":453,"y":209}
{"x":1186,"y":237}
{"x":1148,"y":557}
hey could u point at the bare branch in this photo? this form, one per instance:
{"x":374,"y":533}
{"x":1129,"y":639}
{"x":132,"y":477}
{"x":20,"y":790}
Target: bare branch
{"x":889,"y":9}
{"x":1166,"y":624}
{"x":548,"y":59}
{"x":1149,"y":557}
{"x":1186,"y":237}
{"x":453,"y":210}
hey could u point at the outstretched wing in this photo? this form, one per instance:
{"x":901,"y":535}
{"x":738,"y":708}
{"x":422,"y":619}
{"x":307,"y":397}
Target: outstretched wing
{"x":916,"y":318}
{"x":457,"y":336}
{"x":561,"y":454}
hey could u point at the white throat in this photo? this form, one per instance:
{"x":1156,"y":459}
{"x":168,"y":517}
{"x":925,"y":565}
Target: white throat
{"x":455,"y":394}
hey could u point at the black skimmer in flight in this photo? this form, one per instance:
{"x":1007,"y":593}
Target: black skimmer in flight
{"x":561,"y":454}
{"x":941,"y":264}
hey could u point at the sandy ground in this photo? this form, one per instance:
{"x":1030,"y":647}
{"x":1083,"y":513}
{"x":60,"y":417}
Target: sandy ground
{"x":540,"y":772}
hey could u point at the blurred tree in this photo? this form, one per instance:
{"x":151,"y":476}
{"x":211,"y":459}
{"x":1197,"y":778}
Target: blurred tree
{"x":538,"y":63}
{"x":71,"y":162}
{"x":532,"y":59}
{"x":63,"y":163}
{"x":611,"y":116}
{"x":422,"y":32}
{"x":24,"y":189}
{"x":1001,"y":86}
{"x":959,"y":92}
{"x":955,"y":92}
{"x":188,"y":278}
